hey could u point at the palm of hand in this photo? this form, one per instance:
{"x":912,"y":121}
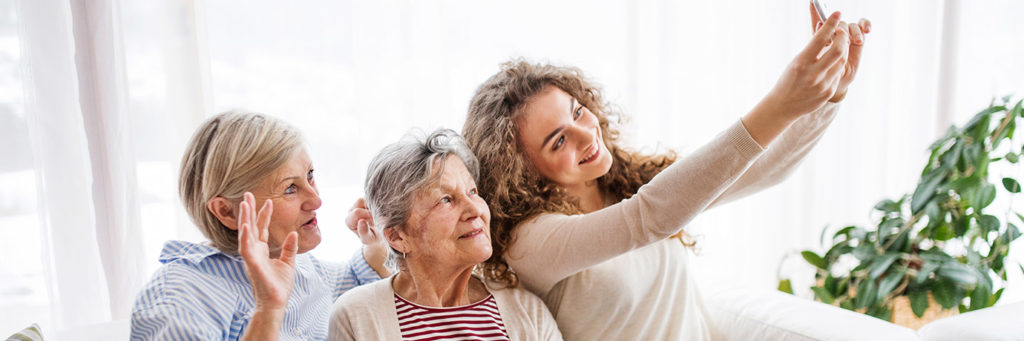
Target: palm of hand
{"x":272,"y":279}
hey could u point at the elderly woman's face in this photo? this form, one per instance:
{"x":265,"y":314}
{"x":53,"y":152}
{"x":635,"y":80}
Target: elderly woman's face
{"x":293,"y":191}
{"x":450,"y":223}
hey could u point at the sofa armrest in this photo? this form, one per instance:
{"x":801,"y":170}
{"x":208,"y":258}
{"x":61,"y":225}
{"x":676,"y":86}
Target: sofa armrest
{"x":1004,"y":322}
{"x":745,"y":314}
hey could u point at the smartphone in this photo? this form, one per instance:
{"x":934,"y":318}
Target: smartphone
{"x":822,"y":8}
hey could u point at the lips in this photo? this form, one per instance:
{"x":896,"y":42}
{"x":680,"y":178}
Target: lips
{"x":475,"y":232}
{"x":311,"y":223}
{"x":595,"y":151}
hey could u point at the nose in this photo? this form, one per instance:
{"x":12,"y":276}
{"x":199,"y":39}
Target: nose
{"x":581,"y":135}
{"x":473,"y":209}
{"x":311,"y":201}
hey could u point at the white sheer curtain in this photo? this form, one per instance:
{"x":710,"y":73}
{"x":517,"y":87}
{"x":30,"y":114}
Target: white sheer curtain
{"x":114,"y":88}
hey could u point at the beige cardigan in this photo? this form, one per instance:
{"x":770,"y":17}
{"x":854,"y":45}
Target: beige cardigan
{"x":368,"y":313}
{"x":613,"y":275}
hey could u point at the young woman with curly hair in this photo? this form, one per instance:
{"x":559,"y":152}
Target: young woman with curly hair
{"x":584,"y":222}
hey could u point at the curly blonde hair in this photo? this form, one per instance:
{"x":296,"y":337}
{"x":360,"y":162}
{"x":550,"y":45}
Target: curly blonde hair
{"x":510,"y":184}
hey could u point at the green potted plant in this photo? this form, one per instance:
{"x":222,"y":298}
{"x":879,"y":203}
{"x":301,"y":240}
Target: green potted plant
{"x":940,"y":245}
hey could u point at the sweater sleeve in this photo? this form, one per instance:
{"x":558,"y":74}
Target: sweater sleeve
{"x":659,"y":209}
{"x":783,"y":155}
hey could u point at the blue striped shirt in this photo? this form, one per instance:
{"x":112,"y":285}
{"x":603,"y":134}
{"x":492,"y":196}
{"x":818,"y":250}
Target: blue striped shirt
{"x":201,"y":293}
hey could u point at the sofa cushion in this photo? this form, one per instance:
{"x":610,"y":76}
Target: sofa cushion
{"x":1004,"y":322}
{"x":750,"y":314}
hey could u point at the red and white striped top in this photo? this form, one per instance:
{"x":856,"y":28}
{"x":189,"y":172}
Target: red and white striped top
{"x":477,"y":321}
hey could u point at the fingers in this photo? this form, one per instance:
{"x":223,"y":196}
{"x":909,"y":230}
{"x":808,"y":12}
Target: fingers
{"x":290,"y":248}
{"x":263,"y":220}
{"x":865,"y":25}
{"x":821,"y":38}
{"x":855,"y":34}
{"x":358,"y":212}
{"x":837,"y":52}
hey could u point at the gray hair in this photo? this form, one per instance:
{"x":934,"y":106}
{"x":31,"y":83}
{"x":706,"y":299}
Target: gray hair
{"x":403,"y":168}
{"x":229,"y":154}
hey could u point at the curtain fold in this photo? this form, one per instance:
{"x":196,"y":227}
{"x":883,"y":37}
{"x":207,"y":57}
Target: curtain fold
{"x":103,"y":95}
{"x":74,"y":268}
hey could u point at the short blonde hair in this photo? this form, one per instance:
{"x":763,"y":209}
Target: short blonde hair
{"x":231,"y":153}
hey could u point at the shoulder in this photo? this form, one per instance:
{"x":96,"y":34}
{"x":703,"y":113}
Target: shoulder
{"x":515,"y":298}
{"x":193,"y":281}
{"x":365,"y":312}
{"x":366,"y":298}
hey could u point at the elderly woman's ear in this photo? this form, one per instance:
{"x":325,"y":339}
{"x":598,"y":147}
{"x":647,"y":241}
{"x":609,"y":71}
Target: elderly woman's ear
{"x":224,"y":210}
{"x":395,"y":240}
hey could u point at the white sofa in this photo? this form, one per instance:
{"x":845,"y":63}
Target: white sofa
{"x":745,"y":314}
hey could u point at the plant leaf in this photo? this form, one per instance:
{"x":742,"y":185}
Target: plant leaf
{"x":918,"y":302}
{"x":1012,"y":157}
{"x":943,"y":232}
{"x":786,"y":286}
{"x":1012,"y":233}
{"x":926,"y":189}
{"x":988,"y":223}
{"x":942,"y":291}
{"x":881,"y":264}
{"x":889,"y":283}
{"x":984,"y":197}
{"x":888,"y":206}
{"x":814,"y":259}
{"x":823,"y":295}
{"x":927,"y":269}
{"x":865,"y":294}
{"x":1011,"y":185}
{"x":995,"y":297}
{"x":958,"y":273}
{"x":980,"y":297}
{"x":843,"y":232}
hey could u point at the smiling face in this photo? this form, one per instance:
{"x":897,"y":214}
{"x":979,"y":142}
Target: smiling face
{"x":296,"y":199}
{"x":563,"y":139}
{"x":449,"y":222}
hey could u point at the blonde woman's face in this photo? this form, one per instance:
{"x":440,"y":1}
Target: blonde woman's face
{"x":293,"y":190}
{"x":563,"y":139}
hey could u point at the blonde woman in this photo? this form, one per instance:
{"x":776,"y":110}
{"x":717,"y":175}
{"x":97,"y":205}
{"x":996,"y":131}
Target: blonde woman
{"x":583,"y":222}
{"x":248,"y":185}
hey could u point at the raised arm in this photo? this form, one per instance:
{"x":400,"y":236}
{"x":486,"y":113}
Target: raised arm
{"x":796,"y":142}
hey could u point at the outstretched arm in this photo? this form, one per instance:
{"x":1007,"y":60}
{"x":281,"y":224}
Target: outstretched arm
{"x":786,"y":153}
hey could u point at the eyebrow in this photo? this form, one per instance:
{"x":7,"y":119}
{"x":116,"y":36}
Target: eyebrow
{"x":309,"y":167}
{"x":572,"y":105}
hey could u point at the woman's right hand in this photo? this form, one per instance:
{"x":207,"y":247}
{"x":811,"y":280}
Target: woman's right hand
{"x":271,"y":279}
{"x":807,"y":83}
{"x":375,"y":252}
{"x":810,"y":80}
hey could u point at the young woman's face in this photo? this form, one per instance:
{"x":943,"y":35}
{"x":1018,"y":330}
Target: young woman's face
{"x":296,"y":199}
{"x":449,"y":224}
{"x":563,"y":139}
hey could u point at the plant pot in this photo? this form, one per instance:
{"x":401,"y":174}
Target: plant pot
{"x":903,"y":315}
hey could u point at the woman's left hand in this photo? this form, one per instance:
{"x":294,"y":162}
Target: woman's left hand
{"x":857,"y":32}
{"x":271,"y":279}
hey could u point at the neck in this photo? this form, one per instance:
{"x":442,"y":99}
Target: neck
{"x":434,"y":286}
{"x":590,"y":195}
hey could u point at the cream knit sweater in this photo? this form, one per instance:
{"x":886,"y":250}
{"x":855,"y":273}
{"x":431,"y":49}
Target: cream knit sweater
{"x":613,"y":275}
{"x":368,"y":313}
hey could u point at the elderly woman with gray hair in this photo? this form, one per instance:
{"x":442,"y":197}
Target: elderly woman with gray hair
{"x":423,"y":198}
